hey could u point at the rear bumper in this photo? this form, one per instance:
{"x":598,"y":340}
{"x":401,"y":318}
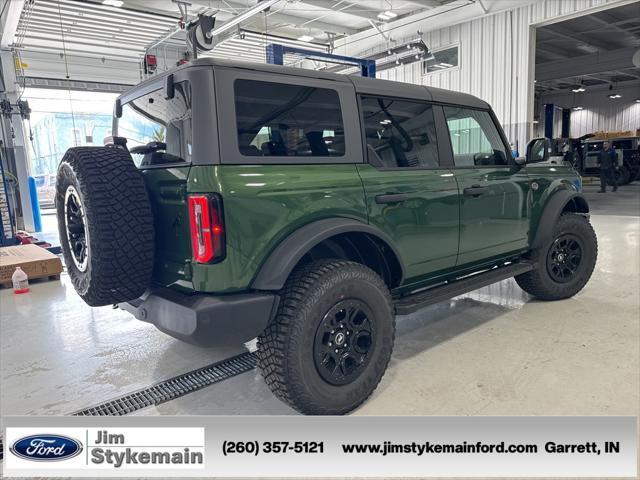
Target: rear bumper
{"x":203,"y":319}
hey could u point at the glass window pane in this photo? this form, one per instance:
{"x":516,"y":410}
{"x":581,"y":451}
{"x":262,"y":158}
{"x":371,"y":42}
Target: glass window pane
{"x":61,"y":119}
{"x":399,"y":133}
{"x":441,"y":60}
{"x":284,"y":120}
{"x":153,"y":118}
{"x":475,"y":138}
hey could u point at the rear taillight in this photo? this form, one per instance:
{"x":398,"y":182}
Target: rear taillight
{"x":207,"y":228}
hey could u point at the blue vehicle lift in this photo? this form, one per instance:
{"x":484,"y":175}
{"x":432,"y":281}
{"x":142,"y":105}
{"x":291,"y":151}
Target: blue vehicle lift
{"x":276,"y":53}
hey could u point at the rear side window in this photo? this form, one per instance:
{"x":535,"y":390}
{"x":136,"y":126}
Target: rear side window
{"x":284,"y":120}
{"x":399,"y":133}
{"x":475,"y":139}
{"x":152,"y":118}
{"x":623,"y":144}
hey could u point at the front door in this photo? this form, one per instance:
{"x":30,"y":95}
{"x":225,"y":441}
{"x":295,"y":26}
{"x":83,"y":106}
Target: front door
{"x":410,"y":196}
{"x":494,"y":213}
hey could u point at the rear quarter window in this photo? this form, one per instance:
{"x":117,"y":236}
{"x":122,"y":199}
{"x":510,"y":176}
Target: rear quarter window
{"x":287,"y":120}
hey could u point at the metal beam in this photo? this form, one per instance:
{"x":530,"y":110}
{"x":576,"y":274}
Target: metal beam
{"x":16,"y":143}
{"x":9,"y":21}
{"x":576,"y":37}
{"x":238,"y":19}
{"x":629,"y":74}
{"x":429,"y":4}
{"x":554,"y":52}
{"x":613,"y":25}
{"x":594,"y":63}
{"x":349,"y":8}
{"x":290,"y":18}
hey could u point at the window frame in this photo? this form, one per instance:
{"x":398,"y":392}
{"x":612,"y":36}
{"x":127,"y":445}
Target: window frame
{"x":438,"y":118}
{"x":510,"y":160}
{"x":225,"y":79}
{"x":182,"y":163}
{"x":204,"y":125}
{"x":423,"y":66}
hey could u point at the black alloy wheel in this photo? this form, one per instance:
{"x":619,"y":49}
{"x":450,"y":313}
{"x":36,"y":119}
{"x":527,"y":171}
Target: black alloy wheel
{"x":75,"y":223}
{"x":564,"y":258}
{"x":343,"y":341}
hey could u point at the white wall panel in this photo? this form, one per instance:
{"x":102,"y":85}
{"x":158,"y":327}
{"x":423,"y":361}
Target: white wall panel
{"x":494,"y":55}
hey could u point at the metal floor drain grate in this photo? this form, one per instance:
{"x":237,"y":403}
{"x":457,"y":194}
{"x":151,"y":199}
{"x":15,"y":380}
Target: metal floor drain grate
{"x":170,"y":389}
{"x":174,"y":387}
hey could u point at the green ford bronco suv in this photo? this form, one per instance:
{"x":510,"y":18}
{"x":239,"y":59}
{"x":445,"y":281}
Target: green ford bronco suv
{"x":309,"y":209}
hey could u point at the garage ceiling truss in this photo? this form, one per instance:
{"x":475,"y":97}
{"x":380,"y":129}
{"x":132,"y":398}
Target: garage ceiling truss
{"x":89,"y":28}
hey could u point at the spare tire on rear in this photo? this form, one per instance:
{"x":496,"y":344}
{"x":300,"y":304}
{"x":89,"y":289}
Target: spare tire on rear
{"x":105,"y":223}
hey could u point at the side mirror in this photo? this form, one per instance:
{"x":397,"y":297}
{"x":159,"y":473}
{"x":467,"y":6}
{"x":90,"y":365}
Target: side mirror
{"x":538,"y":150}
{"x":169,"y":88}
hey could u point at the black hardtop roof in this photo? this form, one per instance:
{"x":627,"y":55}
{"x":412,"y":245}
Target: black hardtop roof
{"x":363,"y":85}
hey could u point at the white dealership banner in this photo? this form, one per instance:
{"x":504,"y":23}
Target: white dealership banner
{"x":352,"y":446}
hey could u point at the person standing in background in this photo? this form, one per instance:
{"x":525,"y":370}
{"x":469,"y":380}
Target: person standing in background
{"x":607,"y":161}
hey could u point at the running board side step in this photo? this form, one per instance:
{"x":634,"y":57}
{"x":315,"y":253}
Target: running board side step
{"x":411,"y":303}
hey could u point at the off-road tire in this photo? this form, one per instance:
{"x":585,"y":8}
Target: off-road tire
{"x":623,"y":176}
{"x":539,"y":283}
{"x":285,"y":348}
{"x":119,"y":224}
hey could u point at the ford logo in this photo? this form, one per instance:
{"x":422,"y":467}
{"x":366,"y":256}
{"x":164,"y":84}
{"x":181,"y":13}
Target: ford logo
{"x":46,"y":448}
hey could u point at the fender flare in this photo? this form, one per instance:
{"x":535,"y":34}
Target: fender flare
{"x":552,"y":211}
{"x":274,"y":272}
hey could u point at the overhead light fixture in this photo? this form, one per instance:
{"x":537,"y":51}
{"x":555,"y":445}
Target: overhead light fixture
{"x":575,"y":109}
{"x":613,"y":94}
{"x":387,"y":15}
{"x":113,"y":3}
{"x":578,"y":89}
{"x":637,"y":100}
{"x":535,"y":122}
{"x":305,"y":38}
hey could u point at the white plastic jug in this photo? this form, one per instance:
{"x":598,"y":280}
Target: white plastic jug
{"x":20,"y":281}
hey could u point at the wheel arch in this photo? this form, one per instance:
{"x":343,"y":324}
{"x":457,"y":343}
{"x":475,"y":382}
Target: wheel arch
{"x":332,"y":238}
{"x":561,"y":201}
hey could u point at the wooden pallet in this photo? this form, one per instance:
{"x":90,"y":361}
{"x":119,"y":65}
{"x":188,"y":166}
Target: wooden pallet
{"x":47,"y":278}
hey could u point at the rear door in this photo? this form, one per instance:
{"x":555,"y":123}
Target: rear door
{"x":409,"y":194}
{"x":494,"y":213}
{"x":147,"y":118}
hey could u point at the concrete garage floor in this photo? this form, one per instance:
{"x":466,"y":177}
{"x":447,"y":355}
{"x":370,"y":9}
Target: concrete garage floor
{"x":493,"y":351}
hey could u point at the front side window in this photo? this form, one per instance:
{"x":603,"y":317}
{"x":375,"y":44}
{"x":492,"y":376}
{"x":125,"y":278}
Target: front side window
{"x":399,"y":133}
{"x":285,"y":120}
{"x":158,"y":130}
{"x":475,"y":139}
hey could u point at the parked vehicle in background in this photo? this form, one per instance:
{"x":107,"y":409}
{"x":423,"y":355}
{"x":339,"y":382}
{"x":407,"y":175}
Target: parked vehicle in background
{"x":308,"y":209}
{"x":628,"y":154}
{"x":46,"y":189}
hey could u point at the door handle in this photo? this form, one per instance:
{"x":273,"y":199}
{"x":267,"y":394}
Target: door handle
{"x":475,"y":191}
{"x":391,"y":198}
